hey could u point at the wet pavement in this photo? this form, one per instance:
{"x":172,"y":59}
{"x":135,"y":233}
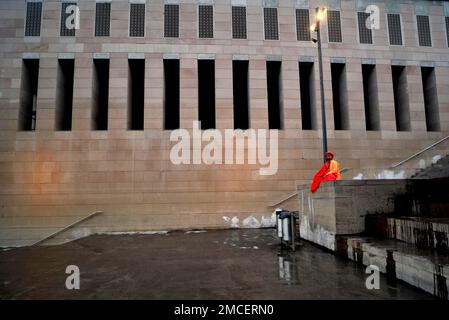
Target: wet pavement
{"x":221,"y":264}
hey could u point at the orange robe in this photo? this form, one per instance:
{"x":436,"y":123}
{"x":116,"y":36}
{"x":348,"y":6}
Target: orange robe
{"x":329,"y":171}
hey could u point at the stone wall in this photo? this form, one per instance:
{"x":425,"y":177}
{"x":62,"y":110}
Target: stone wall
{"x":339,"y":207}
{"x":397,"y":260}
{"x":50,"y":178}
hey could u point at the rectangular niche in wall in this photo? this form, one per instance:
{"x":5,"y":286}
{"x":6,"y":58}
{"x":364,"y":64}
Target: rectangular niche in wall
{"x":430,"y":98}
{"x":136,"y":93}
{"x":401,"y":100}
{"x":28,"y":94}
{"x":370,"y":97}
{"x":100,"y":94}
{"x":206,"y":93}
{"x":307,"y":93}
{"x":240,"y":94}
{"x":274,"y":91}
{"x":340,"y":96}
{"x":171,"y":94}
{"x":64,"y":94}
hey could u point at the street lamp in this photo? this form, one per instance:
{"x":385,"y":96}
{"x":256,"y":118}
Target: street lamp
{"x":320,"y":15}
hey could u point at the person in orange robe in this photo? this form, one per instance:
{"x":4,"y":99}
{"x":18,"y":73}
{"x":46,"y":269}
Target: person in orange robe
{"x":329,"y":171}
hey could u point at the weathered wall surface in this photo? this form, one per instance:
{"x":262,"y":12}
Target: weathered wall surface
{"x":50,"y":178}
{"x":423,"y":270}
{"x":340,"y":207}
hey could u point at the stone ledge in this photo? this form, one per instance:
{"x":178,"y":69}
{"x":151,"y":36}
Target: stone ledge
{"x":419,"y":268}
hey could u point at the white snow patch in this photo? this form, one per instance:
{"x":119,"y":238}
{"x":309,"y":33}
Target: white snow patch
{"x":358,"y":177}
{"x":436,"y":158}
{"x":81,"y":233}
{"x":233,"y":223}
{"x":390,"y":174}
{"x":251,"y":222}
{"x":268,"y":222}
{"x":196,"y":231}
{"x":117,"y":233}
{"x":422,"y":164}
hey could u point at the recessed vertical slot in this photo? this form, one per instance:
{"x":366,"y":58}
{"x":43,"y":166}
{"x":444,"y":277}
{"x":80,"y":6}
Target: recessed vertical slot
{"x":171,"y":94}
{"x":206,"y":93}
{"x":370,"y":97}
{"x":307,"y":92}
{"x":340,"y":96}
{"x":64,"y":95}
{"x":28,"y":94}
{"x":136,"y":93}
{"x":274,"y":91}
{"x":240,"y":94}
{"x":100,"y":94}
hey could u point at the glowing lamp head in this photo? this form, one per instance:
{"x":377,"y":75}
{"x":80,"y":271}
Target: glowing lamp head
{"x":321,"y":14}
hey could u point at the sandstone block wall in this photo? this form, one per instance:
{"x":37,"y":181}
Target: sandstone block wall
{"x":50,"y":178}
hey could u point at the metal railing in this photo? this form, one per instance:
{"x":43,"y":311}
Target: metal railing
{"x":393,"y":166}
{"x":54,"y":234}
{"x":418,"y":153}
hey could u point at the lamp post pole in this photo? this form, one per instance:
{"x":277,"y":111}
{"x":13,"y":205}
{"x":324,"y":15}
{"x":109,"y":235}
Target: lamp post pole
{"x":323,"y":104}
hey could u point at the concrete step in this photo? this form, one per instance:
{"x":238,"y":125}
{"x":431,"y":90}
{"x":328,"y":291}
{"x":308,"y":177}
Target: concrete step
{"x":424,"y":198}
{"x":438,"y":169}
{"x":423,"y":269}
{"x":423,"y":232}
{"x":422,"y":206}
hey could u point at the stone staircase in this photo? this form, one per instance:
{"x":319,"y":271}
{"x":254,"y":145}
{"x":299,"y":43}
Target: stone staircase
{"x":411,"y":242}
{"x":399,"y":260}
{"x":438,"y":169}
{"x":396,"y":218}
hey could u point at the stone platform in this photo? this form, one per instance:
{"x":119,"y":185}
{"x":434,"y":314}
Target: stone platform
{"x":227,"y":264}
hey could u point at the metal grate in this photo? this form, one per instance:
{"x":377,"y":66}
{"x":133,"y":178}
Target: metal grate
{"x":334,"y":26}
{"x":137,"y":20}
{"x":365,"y":34}
{"x":394,"y":29}
{"x":206,"y":21}
{"x":102,"y":19}
{"x":424,"y":37}
{"x":171,"y":21}
{"x":302,"y":25}
{"x":33,"y":19}
{"x":270,"y":16}
{"x":238,"y":22}
{"x":447,"y":30}
{"x":64,"y":31}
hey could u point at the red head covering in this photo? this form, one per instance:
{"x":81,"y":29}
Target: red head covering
{"x":329,"y":153}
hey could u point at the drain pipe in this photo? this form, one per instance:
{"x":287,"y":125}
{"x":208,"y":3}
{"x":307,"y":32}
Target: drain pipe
{"x":67,"y":227}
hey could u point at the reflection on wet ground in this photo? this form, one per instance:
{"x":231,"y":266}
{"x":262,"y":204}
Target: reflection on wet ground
{"x":288,"y":271}
{"x":222,"y":264}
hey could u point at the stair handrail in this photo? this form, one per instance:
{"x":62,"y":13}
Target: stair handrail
{"x":54,"y":234}
{"x":418,"y":153}
{"x":291,"y":195}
